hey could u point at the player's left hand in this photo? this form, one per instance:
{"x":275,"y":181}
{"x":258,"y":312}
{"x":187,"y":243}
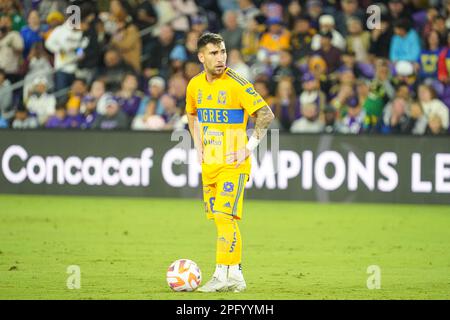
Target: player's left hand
{"x":239,"y":156}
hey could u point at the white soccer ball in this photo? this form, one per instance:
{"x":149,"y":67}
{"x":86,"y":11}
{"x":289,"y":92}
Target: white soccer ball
{"x":184,"y":275}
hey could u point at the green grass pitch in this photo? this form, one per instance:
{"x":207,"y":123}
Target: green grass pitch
{"x":291,"y":250}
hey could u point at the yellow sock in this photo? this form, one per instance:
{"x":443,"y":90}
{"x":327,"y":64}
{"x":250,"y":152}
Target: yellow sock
{"x":229,"y":243}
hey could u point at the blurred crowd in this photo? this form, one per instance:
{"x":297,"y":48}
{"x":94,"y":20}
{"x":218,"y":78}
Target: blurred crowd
{"x":322,"y":66}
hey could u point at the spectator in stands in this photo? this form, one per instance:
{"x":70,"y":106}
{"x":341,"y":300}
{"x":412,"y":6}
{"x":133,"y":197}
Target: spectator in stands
{"x":350,"y":9}
{"x":188,"y":49}
{"x":128,"y":97}
{"x":88,"y":111}
{"x":273,"y":41}
{"x":11,"y":48}
{"x":146,"y":17}
{"x":177,"y":89}
{"x":6,"y":97}
{"x":309,"y":122}
{"x":396,"y":119}
{"x":328,"y":52}
{"x":429,"y":56}
{"x":418,"y":119}
{"x":59,"y":119}
{"x":380,"y":39}
{"x":405,"y":44}
{"x":13,"y":9}
{"x":311,"y":92}
{"x":185,"y":9}
{"x":250,"y":40}
{"x":286,"y":68}
{"x":98,"y":92}
{"x":158,"y":61}
{"x":33,"y":32}
{"x":358,"y":40}
{"x":78,"y":90}
{"x":435,"y":126}
{"x":301,"y":39}
{"x":151,"y":103}
{"x":444,"y":63}
{"x":314,"y":10}
{"x":39,"y":66}
{"x":113,"y":71}
{"x":231,"y":33}
{"x":353,"y":121}
{"x":40,"y":102}
{"x":432,"y":105}
{"x":64,"y":42}
{"x":191,"y":69}
{"x":327,"y":24}
{"x":46,"y":7}
{"x":127,"y":41}
{"x":285,"y":105}
{"x":54,"y":19}
{"x":329,"y":119}
{"x":23,"y":119}
{"x":90,"y":52}
{"x":247,"y":11}
{"x":73,"y":117}
{"x":236,"y":63}
{"x":171,"y":114}
{"x":113,"y":119}
{"x":178,"y":58}
{"x":397,"y":10}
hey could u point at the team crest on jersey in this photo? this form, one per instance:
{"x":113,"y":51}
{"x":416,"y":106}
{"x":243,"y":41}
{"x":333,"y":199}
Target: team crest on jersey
{"x":199,"y":96}
{"x":228,"y":187}
{"x":252,"y":92}
{"x":222,"y":98}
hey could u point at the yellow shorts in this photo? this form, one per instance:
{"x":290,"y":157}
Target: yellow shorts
{"x":226,"y":196}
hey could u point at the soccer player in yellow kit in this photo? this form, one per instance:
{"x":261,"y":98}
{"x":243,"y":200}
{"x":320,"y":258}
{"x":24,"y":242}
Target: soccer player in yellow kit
{"x":219,"y":103}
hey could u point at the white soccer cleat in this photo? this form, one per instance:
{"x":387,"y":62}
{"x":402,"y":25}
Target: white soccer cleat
{"x":235,"y":280}
{"x":214,"y":285}
{"x":236,"y":285}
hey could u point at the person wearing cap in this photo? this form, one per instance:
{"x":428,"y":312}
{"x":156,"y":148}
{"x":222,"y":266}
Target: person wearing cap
{"x":326,"y":25}
{"x":156,"y":89}
{"x":54,"y":20}
{"x":311,"y":92}
{"x":88,"y":111}
{"x":40,"y":102}
{"x":273,"y":41}
{"x":353,"y":121}
{"x":113,"y":119}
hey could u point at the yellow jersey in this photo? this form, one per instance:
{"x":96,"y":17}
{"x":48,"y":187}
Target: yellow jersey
{"x":223,"y":108}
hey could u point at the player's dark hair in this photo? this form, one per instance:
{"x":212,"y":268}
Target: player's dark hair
{"x":207,"y":38}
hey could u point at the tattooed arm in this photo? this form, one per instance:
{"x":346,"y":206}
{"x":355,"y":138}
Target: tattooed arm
{"x":264,"y":117}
